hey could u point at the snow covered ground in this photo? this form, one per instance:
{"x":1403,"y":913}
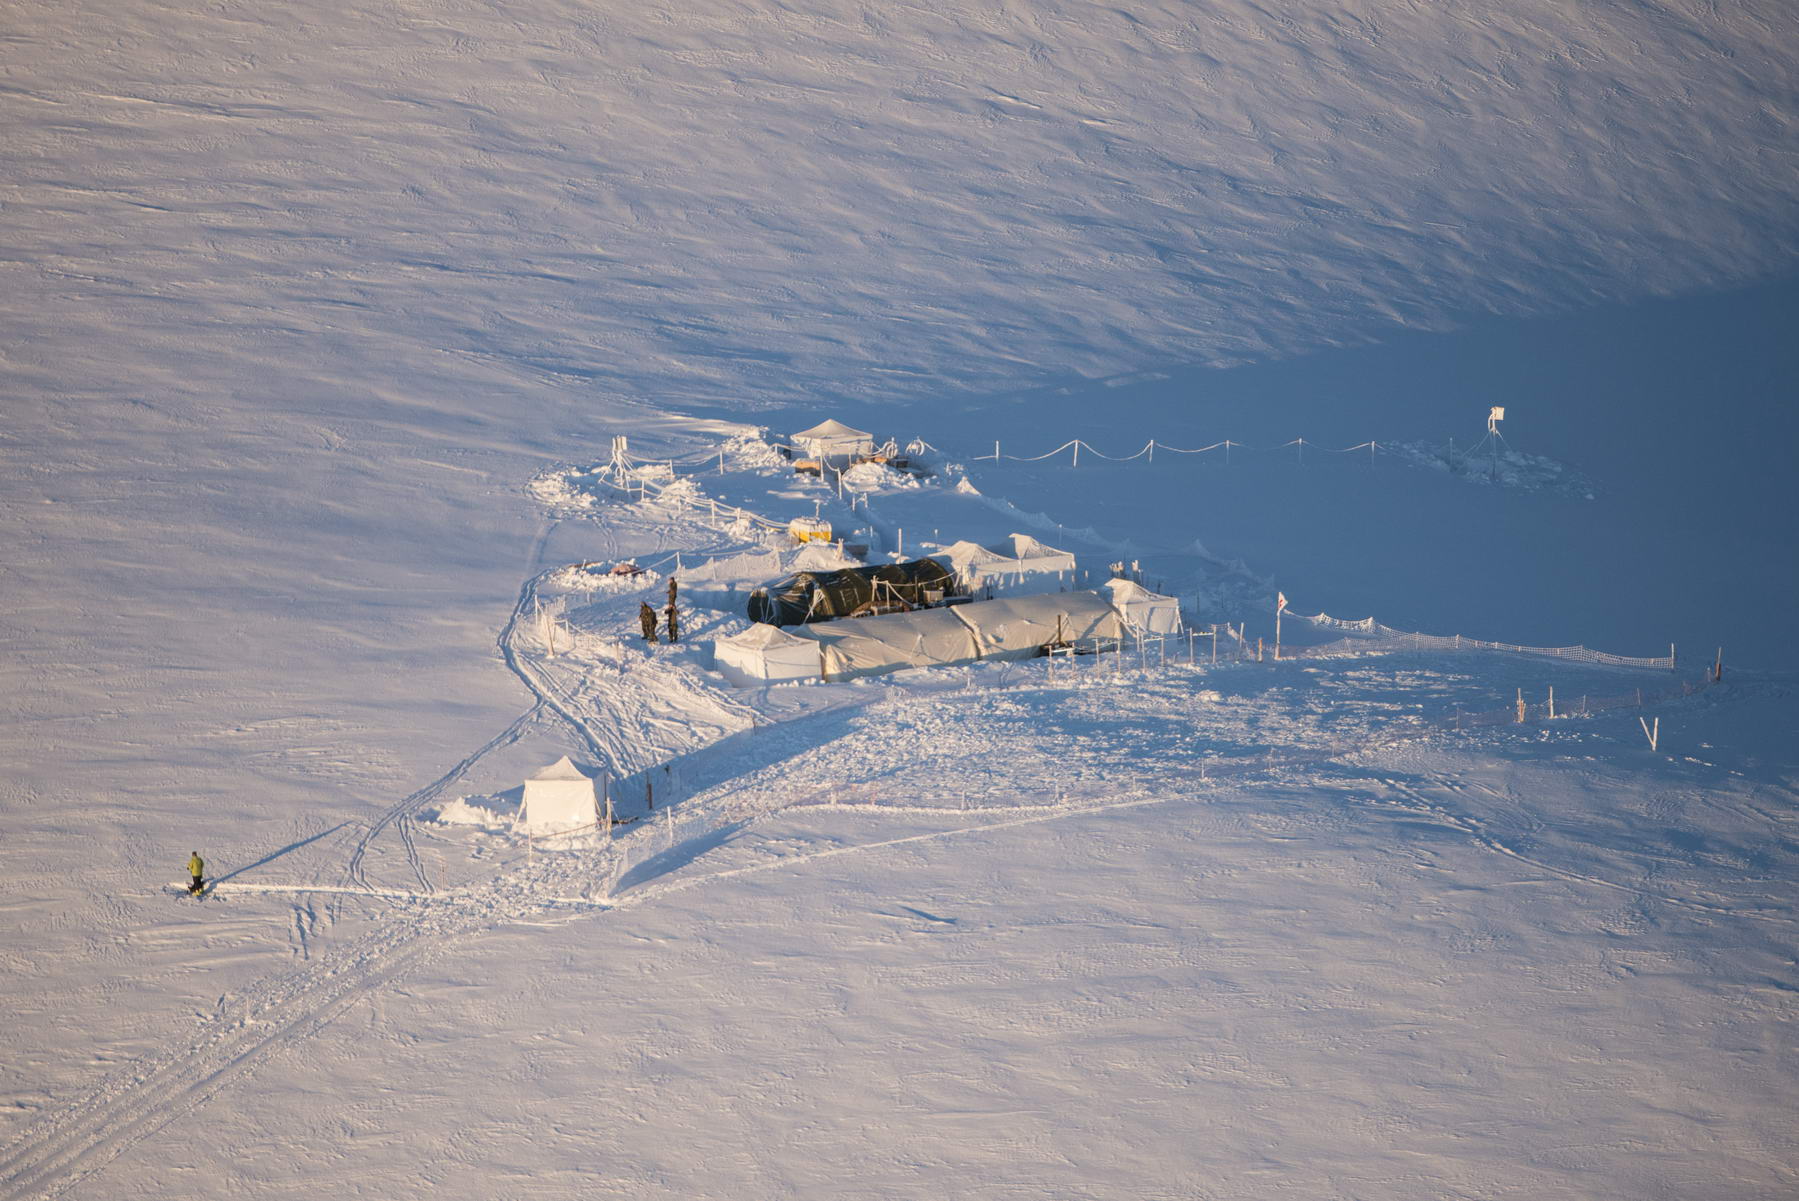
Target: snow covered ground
{"x":301,"y":308}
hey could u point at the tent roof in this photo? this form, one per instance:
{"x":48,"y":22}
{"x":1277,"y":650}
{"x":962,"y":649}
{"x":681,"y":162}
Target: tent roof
{"x":1127,"y":590}
{"x":891,"y":642}
{"x":763,"y":635}
{"x":832,"y":428}
{"x":1027,"y":547}
{"x":964,"y":551}
{"x":1019,"y":624}
{"x":562,"y":769}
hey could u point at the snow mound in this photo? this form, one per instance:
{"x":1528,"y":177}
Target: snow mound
{"x":874,"y":477}
{"x":463,"y":811}
{"x":562,"y":490}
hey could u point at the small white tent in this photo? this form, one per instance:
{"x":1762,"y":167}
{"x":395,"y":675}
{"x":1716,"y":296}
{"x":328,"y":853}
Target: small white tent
{"x":833,"y":440}
{"x":1145,"y":611}
{"x":1018,"y":627}
{"x":763,"y":653}
{"x":559,"y":797}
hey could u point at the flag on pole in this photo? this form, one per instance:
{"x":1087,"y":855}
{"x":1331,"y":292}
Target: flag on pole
{"x":1280,"y":601}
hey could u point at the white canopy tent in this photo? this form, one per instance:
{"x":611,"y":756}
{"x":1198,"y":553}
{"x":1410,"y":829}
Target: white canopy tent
{"x":765,"y":653}
{"x":1026,"y":566}
{"x":872,"y":646}
{"x":559,"y":797}
{"x":1039,"y":557}
{"x":833,"y":440}
{"x":1018,"y":627}
{"x":1145,"y":611}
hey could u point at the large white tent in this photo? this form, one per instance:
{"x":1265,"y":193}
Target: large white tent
{"x":559,"y":797}
{"x":1018,"y":627}
{"x":832,"y":439}
{"x":1011,"y":628}
{"x":1145,"y":611}
{"x":872,"y":646}
{"x":763,"y":653}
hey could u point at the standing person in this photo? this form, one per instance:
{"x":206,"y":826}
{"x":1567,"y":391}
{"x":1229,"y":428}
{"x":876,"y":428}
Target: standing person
{"x":671,"y":591}
{"x":196,"y":867}
{"x":646,"y":617}
{"x":674,"y":624}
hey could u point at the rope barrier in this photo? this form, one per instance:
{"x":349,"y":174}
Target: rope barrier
{"x":1153,"y":445}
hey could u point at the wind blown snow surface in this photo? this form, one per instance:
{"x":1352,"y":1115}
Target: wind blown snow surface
{"x":296,"y":303}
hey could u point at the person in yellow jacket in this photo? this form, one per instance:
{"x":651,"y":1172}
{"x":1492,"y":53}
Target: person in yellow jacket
{"x":196,"y":867}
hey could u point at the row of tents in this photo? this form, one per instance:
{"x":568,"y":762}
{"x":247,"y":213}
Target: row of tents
{"x":1017,"y":627}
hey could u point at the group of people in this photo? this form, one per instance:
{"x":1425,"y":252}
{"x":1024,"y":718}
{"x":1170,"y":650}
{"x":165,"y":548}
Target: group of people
{"x":646,"y":616}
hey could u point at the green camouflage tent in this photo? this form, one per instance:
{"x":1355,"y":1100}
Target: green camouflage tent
{"x":853,"y":592}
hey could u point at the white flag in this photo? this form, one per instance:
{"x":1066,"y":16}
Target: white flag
{"x":1280,"y":601}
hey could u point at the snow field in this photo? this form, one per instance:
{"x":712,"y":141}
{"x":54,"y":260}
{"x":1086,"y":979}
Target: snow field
{"x":1344,"y":980}
{"x":296,"y":300}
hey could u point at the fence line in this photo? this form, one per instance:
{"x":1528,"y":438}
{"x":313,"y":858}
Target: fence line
{"x":1380,"y":638}
{"x":1152,"y":446}
{"x":1523,"y":712}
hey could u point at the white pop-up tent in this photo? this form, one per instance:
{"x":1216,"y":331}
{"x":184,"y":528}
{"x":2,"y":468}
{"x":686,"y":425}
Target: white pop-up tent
{"x":764,"y":653}
{"x":1025,"y":566}
{"x":559,"y":797}
{"x":872,"y":646}
{"x":833,"y":440}
{"x":1034,"y":556}
{"x":1145,"y":611}
{"x":1018,"y":627}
